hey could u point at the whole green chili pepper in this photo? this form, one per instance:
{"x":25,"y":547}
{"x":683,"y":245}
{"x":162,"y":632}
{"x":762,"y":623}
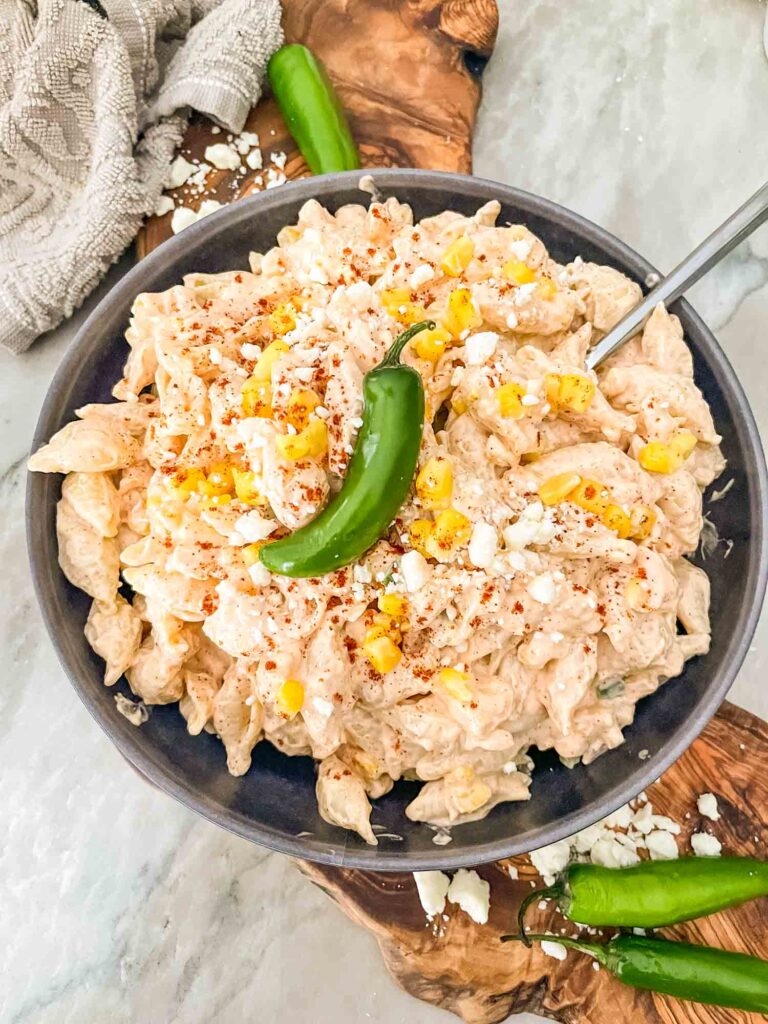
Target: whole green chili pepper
{"x":312,"y":110}
{"x":698,"y":973}
{"x":378,"y":476}
{"x":653,"y":893}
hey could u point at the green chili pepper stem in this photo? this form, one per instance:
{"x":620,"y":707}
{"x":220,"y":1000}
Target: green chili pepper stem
{"x":392,"y":358}
{"x":600,"y":953}
{"x":551,"y":892}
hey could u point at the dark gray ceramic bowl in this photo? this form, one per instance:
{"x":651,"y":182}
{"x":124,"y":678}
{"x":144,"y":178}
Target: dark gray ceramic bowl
{"x":275,"y":802}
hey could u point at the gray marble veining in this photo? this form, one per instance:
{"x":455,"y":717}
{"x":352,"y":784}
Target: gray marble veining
{"x":119,"y":905}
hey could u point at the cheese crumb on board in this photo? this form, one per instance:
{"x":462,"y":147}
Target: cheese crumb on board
{"x":472,"y":893}
{"x":662,"y":845}
{"x":179,"y":172}
{"x":224,"y":157}
{"x":705,"y":845}
{"x":707,"y":805}
{"x":163,"y":205}
{"x":432,"y":887}
{"x":554,"y":949}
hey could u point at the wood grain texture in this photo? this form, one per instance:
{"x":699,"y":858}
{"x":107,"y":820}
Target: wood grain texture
{"x":462,"y":967}
{"x":408,"y":74}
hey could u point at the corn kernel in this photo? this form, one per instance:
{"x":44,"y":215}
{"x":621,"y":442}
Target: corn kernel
{"x":184,"y":481}
{"x":643,"y":520}
{"x":546,"y":289}
{"x":461,"y":314}
{"x":290,"y":698}
{"x":683,"y":443}
{"x":659,"y":457}
{"x":635,"y":595}
{"x":382,"y":653}
{"x":418,"y":533}
{"x":257,"y":398}
{"x":519,"y":272}
{"x":217,"y":500}
{"x":473,"y":797}
{"x":452,"y":529}
{"x":263,"y":368}
{"x":431,"y":344}
{"x":434,"y":484}
{"x":557,"y":488}
{"x":457,"y":256}
{"x":245,"y":487}
{"x":300,"y":405}
{"x":250,"y":552}
{"x":459,"y":404}
{"x":615,"y":518}
{"x":219,"y":480}
{"x":283,"y":318}
{"x":576,"y":392}
{"x":508,"y":398}
{"x":395,"y":605}
{"x":312,"y":442}
{"x":456,"y":684}
{"x":572,"y":391}
{"x":397,"y":302}
{"x":591,"y":495}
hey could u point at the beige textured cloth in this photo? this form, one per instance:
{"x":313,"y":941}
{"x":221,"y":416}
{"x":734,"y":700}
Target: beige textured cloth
{"x":93,"y":101}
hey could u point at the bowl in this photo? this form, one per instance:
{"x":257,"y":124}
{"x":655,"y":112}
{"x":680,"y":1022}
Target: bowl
{"x":274,"y":804}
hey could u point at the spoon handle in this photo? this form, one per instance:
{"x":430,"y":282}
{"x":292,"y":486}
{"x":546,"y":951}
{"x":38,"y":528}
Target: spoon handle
{"x":740,"y":224}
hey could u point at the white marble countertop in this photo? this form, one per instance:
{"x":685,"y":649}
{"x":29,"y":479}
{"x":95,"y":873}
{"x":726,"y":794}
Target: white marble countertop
{"x":119,"y":905}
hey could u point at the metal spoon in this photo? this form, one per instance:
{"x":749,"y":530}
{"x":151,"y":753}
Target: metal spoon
{"x":738,"y":226}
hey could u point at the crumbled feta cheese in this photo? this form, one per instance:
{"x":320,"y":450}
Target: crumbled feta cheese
{"x":661,"y":845}
{"x":421,"y":275}
{"x":254,"y":526}
{"x":530,"y":400}
{"x":362,"y":574}
{"x":707,"y":805}
{"x":550,"y":860}
{"x":208,"y":206}
{"x":520,"y":250}
{"x":248,"y":139}
{"x":255,"y":160}
{"x":163,"y":205}
{"x":222,"y":156}
{"x":250,"y":351}
{"x":260,"y":574}
{"x":542,"y":588}
{"x":479,"y":348}
{"x":524,"y":292}
{"x":179,"y":172}
{"x":663,"y":822}
{"x":472,"y":893}
{"x":620,"y":818}
{"x":182,"y":218}
{"x":415,"y":570}
{"x":706,"y":845}
{"x":554,"y":949}
{"x":432,"y":887}
{"x":278,"y":159}
{"x":482,"y":545}
{"x":610,"y":853}
{"x":512,"y":321}
{"x":322,"y":412}
{"x":214,"y":354}
{"x":304,"y":374}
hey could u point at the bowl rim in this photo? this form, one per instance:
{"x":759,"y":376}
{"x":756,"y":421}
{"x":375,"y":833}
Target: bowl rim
{"x":381,"y":858}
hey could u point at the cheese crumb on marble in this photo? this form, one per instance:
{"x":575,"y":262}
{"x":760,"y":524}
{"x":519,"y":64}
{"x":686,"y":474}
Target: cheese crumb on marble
{"x":432,"y":887}
{"x":472,"y":893}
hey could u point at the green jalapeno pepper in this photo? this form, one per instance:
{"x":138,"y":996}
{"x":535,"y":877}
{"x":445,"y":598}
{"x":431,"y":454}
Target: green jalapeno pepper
{"x":311,"y":109}
{"x":697,"y":973}
{"x":378,"y":476}
{"x":653,"y":893}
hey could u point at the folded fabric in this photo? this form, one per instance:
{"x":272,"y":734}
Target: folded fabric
{"x":94,"y":97}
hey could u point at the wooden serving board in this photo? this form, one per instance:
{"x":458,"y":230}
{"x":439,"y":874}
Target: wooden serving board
{"x":408,"y":73}
{"x":464,"y":968}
